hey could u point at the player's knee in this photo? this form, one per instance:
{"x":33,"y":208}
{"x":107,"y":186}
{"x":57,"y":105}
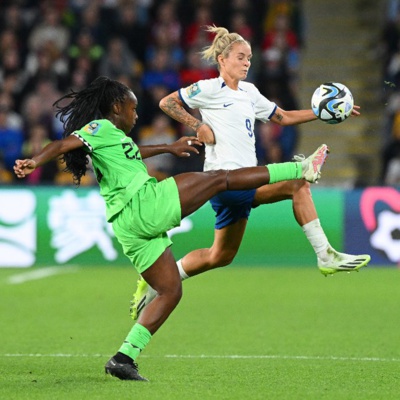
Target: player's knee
{"x":300,"y":186}
{"x":219,"y":178}
{"x":176,"y":293}
{"x":171,"y":290}
{"x":222,"y":258}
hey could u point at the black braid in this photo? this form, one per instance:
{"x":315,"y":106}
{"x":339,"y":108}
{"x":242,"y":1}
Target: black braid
{"x":93,"y":102}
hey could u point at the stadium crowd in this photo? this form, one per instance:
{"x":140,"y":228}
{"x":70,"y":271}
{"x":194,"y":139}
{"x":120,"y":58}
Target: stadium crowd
{"x":390,"y":49}
{"x":49,"y":47}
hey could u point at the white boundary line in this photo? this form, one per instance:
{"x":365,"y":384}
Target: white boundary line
{"x":39,"y":274}
{"x":208,"y":356}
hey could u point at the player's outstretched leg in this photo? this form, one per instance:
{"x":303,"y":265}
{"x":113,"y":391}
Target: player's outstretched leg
{"x":312,"y":165}
{"x":144,"y":295}
{"x":310,"y":171}
{"x":341,"y":262}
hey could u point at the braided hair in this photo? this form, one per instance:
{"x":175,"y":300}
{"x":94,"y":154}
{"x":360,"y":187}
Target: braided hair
{"x":93,"y":102}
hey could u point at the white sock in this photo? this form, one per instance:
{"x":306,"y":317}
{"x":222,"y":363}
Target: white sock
{"x":182,"y":272}
{"x":317,"y":238}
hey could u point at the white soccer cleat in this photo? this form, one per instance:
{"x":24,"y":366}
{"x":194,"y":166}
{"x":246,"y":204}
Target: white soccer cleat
{"x":341,"y":262}
{"x":144,"y":295}
{"x":311,"y":166}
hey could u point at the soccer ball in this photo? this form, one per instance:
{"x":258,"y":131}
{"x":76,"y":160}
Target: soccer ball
{"x":332,"y":102}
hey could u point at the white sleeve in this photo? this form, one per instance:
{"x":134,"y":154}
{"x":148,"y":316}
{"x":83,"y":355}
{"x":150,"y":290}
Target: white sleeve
{"x":196,"y":95}
{"x":264,"y":108}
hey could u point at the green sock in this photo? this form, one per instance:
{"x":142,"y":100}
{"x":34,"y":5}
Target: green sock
{"x":284,"y":171}
{"x":136,"y":341}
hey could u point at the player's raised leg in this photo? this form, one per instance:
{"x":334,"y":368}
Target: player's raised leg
{"x":329,"y":260}
{"x":195,"y":192}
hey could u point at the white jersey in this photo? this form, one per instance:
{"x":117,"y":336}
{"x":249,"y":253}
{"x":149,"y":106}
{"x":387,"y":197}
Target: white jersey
{"x":231,"y":114}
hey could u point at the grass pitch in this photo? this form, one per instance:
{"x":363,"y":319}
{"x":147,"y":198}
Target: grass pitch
{"x":254,"y":333}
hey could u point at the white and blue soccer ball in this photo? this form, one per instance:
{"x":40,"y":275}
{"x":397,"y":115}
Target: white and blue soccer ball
{"x":332,"y":102}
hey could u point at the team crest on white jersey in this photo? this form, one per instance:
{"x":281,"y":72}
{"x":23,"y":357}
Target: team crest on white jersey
{"x":192,"y":90}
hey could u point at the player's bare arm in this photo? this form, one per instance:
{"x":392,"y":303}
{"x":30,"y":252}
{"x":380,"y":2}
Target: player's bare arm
{"x":51,"y":151}
{"x":295,"y":117}
{"x":181,"y":148}
{"x":172,"y":105}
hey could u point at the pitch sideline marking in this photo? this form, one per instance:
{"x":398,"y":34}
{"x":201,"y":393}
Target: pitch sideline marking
{"x":39,"y":274}
{"x":229,"y":356}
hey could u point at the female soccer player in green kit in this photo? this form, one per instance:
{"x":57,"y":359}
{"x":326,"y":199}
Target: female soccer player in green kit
{"x":96,"y":122}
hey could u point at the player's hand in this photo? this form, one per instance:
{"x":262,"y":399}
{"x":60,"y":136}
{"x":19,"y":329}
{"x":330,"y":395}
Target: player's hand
{"x":205,"y":134}
{"x":184,"y":146}
{"x":24,"y":167}
{"x":355,"y":112}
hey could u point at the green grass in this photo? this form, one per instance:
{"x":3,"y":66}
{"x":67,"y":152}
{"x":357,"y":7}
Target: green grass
{"x":239,"y":333}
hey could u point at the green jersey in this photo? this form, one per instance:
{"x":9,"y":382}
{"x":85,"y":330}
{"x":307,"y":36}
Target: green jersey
{"x":116,"y":161}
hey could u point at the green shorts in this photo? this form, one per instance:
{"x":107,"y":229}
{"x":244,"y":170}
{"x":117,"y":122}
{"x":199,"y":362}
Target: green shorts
{"x":141,"y":226}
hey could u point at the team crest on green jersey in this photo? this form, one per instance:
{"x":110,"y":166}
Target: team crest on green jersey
{"x":193,"y":89}
{"x":92,"y":128}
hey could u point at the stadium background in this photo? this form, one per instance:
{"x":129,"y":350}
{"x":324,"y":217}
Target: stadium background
{"x":48,"y":47}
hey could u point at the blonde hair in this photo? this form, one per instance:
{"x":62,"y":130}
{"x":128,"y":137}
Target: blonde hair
{"x":222,"y":43}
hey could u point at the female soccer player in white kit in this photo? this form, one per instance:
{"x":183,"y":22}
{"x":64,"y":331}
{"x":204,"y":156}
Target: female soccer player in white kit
{"x":229,"y":107}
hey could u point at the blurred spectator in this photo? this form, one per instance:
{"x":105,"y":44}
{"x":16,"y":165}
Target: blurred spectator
{"x":390,"y":157}
{"x":291,"y":10}
{"x":252,"y":12}
{"x":84,"y":46}
{"x":158,"y":80}
{"x":38,"y":137}
{"x":160,"y":131}
{"x":194,"y":69}
{"x":143,"y":7}
{"x":34,"y":112}
{"x":118,"y":60}
{"x":80,"y":78}
{"x":160,"y":73}
{"x":163,"y":42}
{"x":89,"y":20}
{"x":280,"y":56}
{"x":50,"y":29}
{"x":9,"y":41}
{"x":283,"y":31}
{"x":390,"y":34}
{"x":13,"y":19}
{"x":275,"y":143}
{"x":14,"y":120}
{"x":195,"y":35}
{"x":10,"y":62}
{"x":240,"y":25}
{"x":267,"y":144}
{"x":11,"y":140}
{"x":46,"y":63}
{"x":275,"y":80}
{"x":130,"y":27}
{"x":149,"y":105}
{"x":392,"y":176}
{"x":391,"y":149}
{"x":167,"y":21}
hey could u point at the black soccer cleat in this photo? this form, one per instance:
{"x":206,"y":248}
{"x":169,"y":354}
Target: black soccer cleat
{"x":125,"y":372}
